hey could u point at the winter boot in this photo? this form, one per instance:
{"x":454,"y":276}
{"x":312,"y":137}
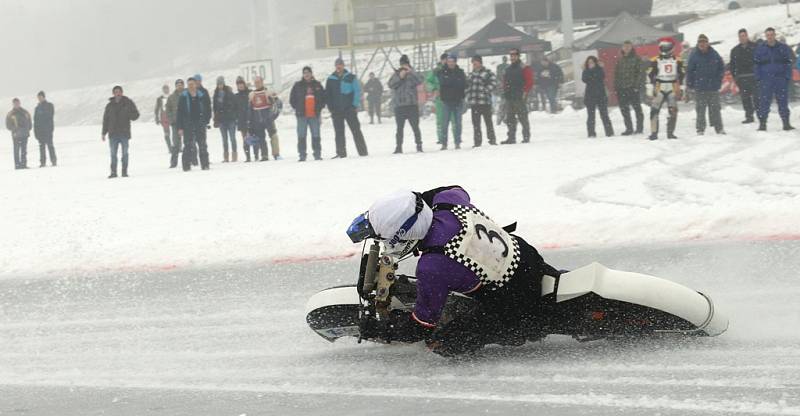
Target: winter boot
{"x":654,"y":136}
{"x":786,"y":125}
{"x":762,"y":125}
{"x":234,"y":157}
{"x":398,"y":150}
{"x":509,"y":141}
{"x":225,"y":158}
{"x":112,"y":175}
{"x":419,"y":148}
{"x":627,"y":132}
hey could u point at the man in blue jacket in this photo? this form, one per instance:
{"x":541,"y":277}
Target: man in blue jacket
{"x":704,"y":76}
{"x":343,"y":100}
{"x":194,"y":113}
{"x":773,"y":61}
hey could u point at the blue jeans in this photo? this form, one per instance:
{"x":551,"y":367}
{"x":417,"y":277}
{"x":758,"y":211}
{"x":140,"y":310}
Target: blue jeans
{"x":551,"y":93}
{"x":228,"y":131}
{"x":452,"y":112}
{"x":114,"y":144}
{"x":303,"y":125}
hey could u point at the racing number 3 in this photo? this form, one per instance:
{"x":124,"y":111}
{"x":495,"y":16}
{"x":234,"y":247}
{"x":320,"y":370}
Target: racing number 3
{"x":492,"y":236}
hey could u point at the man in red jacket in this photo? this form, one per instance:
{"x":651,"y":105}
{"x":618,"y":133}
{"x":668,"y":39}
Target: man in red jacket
{"x":517,"y":84}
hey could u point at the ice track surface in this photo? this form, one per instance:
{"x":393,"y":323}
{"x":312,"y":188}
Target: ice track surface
{"x":234,"y":341}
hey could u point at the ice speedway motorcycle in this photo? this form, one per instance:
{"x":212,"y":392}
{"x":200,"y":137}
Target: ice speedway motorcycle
{"x":590,"y":303}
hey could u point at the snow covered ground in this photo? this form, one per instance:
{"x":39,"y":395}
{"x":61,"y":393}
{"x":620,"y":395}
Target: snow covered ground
{"x":564,"y":190}
{"x":232,"y":340}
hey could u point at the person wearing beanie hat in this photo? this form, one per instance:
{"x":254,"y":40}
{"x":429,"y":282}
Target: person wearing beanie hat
{"x":308,"y":99}
{"x":452,"y":86}
{"x":704,"y":75}
{"x":43,"y":127}
{"x":343,"y":98}
{"x":206,"y":96}
{"x":433,"y":87}
{"x":374,"y":90}
{"x":242,"y":119}
{"x":172,"y":117}
{"x":225,"y":119}
{"x":460,"y":250}
{"x":666,"y":75}
{"x":404,"y":83}
{"x":160,"y":116}
{"x":481,"y":84}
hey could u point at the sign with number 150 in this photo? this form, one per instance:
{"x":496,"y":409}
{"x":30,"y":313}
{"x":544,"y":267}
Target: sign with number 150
{"x":251,"y":70}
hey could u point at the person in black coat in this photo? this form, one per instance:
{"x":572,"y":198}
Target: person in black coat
{"x":308,"y":99}
{"x":595,"y":97}
{"x":452,"y":91}
{"x":242,"y":113}
{"x":225,"y":119}
{"x":43,"y":127}
{"x":742,"y":67}
{"x":194,"y":114}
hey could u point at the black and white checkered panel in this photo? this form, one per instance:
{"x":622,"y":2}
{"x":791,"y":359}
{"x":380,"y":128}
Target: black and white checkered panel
{"x":451,"y":250}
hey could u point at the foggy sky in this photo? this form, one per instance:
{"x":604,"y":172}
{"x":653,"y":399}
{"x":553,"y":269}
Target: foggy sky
{"x":55,"y":44}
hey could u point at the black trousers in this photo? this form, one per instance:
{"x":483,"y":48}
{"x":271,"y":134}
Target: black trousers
{"x":263,"y":131}
{"x":508,"y":315}
{"x":349,"y":116}
{"x":592,"y":107}
{"x":482,"y":112}
{"x":45,"y":140}
{"x":631,"y":99}
{"x":194,"y":140}
{"x":748,"y":90}
{"x":517,"y":109}
{"x":374,"y":109}
{"x":408,"y":113}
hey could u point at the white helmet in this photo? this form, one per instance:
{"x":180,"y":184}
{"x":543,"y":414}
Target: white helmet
{"x":401,"y":220}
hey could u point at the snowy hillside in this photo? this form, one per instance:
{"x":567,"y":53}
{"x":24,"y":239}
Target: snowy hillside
{"x":84,"y":106}
{"x":723,"y":27}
